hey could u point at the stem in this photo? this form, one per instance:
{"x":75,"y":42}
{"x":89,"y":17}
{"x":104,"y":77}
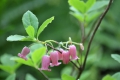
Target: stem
{"x":52,"y":41}
{"x":78,"y":61}
{"x":83,"y":30}
{"x":76,"y":43}
{"x":72,"y":71}
{"x":89,"y":44}
{"x":82,"y":26}
{"x":44,"y":75}
{"x":53,"y":48}
{"x":74,"y":65}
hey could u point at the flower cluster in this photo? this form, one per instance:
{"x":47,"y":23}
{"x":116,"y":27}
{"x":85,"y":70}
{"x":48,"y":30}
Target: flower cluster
{"x":53,"y":58}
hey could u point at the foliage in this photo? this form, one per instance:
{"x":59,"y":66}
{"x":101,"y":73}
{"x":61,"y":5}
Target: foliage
{"x":116,"y":57}
{"x":108,"y":77}
{"x":64,"y":77}
{"x":105,"y":43}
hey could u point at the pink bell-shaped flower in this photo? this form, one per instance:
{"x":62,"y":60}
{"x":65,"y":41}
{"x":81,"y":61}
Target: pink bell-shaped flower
{"x":73,"y":53}
{"x":54,"y":58}
{"x":60,"y":57}
{"x":66,"y":57}
{"x":45,"y":63}
{"x":24,"y":53}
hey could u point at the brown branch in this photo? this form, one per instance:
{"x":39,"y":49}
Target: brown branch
{"x":89,"y":44}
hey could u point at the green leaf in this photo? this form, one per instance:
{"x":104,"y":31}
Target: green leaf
{"x":79,"y":5}
{"x":67,"y":77}
{"x":16,"y":66}
{"x":8,"y":69}
{"x":8,"y":65}
{"x":30,"y":31}
{"x":54,"y":78}
{"x":89,"y":4}
{"x":91,"y":16}
{"x":37,"y":55}
{"x":44,"y":25}
{"x":77,"y":14}
{"x":35,"y":46}
{"x":98,"y":5}
{"x":5,"y":60}
{"x":66,"y":70}
{"x":116,"y":57}
{"x":26,"y":62}
{"x":108,"y":77}
{"x":15,"y":38}
{"x":19,"y":38}
{"x":92,"y":74}
{"x":29,"y":77}
{"x":116,"y":76}
{"x":105,"y":61}
{"x":29,"y":19}
{"x":11,"y":77}
{"x":28,"y":38}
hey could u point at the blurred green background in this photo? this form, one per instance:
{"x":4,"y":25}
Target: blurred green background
{"x":105,"y":43}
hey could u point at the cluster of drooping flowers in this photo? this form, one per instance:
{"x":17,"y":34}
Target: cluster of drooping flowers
{"x":52,"y":59}
{"x":65,"y":55}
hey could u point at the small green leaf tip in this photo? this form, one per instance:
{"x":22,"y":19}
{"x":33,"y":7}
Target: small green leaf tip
{"x":30,"y":31}
{"x":44,"y":25}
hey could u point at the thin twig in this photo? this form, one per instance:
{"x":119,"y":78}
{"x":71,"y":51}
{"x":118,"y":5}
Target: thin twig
{"x":52,"y":41}
{"x":89,"y":44}
{"x":78,"y":62}
{"x":72,"y":71}
{"x":74,"y":65}
{"x":82,"y":26}
{"x":82,"y":32}
{"x":44,"y":75}
{"x":53,"y":48}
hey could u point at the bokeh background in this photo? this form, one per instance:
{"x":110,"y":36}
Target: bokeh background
{"x":105,"y":43}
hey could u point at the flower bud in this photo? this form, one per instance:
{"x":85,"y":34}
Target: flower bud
{"x":66,"y":57}
{"x":54,"y":58}
{"x":24,"y":53}
{"x":81,"y":46}
{"x":73,"y":53}
{"x":45,"y":63}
